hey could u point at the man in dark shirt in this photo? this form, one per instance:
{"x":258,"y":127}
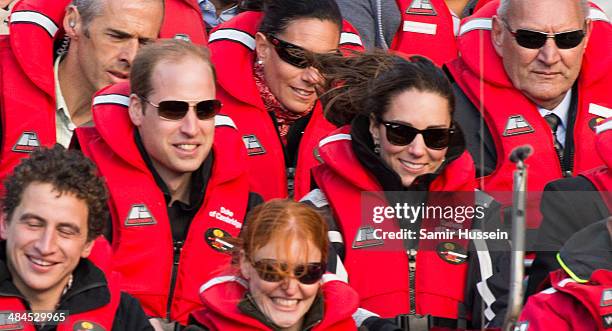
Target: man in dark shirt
{"x":54,"y":209}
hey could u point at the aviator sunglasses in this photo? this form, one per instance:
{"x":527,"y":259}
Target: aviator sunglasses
{"x":536,"y":39}
{"x":402,"y":135}
{"x":175,"y":109}
{"x":275,"y":271}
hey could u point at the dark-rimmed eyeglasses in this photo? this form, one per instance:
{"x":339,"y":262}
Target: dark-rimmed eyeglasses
{"x":536,"y":39}
{"x":402,"y":135}
{"x":175,"y":110}
{"x":290,"y":53}
{"x":274,"y":271}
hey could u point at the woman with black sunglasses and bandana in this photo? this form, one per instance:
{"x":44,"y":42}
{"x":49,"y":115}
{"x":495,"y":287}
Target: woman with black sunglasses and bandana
{"x":398,"y":139}
{"x":268,"y":86}
{"x":278,"y":280}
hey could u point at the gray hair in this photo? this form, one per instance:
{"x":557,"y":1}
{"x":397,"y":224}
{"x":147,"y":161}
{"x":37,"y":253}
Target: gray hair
{"x":88,"y":10}
{"x":504,"y":5}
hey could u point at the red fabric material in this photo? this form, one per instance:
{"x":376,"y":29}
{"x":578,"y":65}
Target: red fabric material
{"x":544,"y":166}
{"x":242,"y":101}
{"x":146,"y":268}
{"x":221,"y":308}
{"x":573,"y":306}
{"x":103,"y":316}
{"x":384,"y":289}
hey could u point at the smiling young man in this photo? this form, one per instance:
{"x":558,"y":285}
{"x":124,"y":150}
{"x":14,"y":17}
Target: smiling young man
{"x":177,"y":176}
{"x":54,"y":208}
{"x":545,"y":83}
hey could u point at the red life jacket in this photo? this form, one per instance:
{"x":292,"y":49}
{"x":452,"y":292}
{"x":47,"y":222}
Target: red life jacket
{"x":222,"y":294}
{"x":380,"y":275}
{"x":183,"y":17}
{"x":142,"y":233}
{"x":232,"y":45}
{"x":27,"y":85}
{"x":570,"y":305}
{"x":100,"y":317}
{"x":522,"y":124}
{"x":602,"y":177}
{"x":426,"y":25}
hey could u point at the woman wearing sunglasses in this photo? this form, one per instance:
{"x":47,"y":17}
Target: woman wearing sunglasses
{"x":399,"y":137}
{"x":268,"y":87}
{"x":279,"y":281}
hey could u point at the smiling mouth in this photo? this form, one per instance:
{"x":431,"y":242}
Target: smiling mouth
{"x":286,"y":303}
{"x":186,"y":147}
{"x":413,"y":166}
{"x":40,"y":262}
{"x":302,"y":92}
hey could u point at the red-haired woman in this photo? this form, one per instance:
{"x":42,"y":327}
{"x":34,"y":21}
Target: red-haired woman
{"x":280,"y":281}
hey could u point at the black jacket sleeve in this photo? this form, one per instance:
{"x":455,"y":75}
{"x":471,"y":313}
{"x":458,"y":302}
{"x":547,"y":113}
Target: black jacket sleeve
{"x":567,"y":206}
{"x":478,"y":138}
{"x":130,"y":316}
{"x":488,"y":277}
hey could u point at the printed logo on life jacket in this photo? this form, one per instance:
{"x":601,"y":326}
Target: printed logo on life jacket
{"x":365,"y":238}
{"x":594,"y":122}
{"x":607,"y":321}
{"x":8,"y":322}
{"x":227,"y":216}
{"x":27,"y":143}
{"x":421,"y":7}
{"x":87,"y":326}
{"x":139,"y":215}
{"x":451,"y":252}
{"x":606,"y":297}
{"x":517,"y":125}
{"x":253,"y":145}
{"x":521,"y":326}
{"x":217,"y":240}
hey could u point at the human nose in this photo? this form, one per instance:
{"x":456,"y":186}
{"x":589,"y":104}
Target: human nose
{"x":312,"y":76}
{"x":549,"y":53}
{"x":290,"y":285}
{"x":189,"y":123}
{"x":417,"y":146}
{"x":128,"y":51}
{"x":47,"y":242}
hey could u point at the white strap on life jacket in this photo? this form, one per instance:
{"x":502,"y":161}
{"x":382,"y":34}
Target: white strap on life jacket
{"x":336,"y":137}
{"x":233,"y":35}
{"x":35,"y":18}
{"x":117,"y":99}
{"x":476,"y":24}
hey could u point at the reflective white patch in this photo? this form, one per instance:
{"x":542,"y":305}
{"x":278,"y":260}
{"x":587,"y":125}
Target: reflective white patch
{"x":316,"y":197}
{"x":221,"y":120}
{"x":118,"y":99}
{"x":222,"y":279}
{"x":36,"y":18}
{"x":336,"y":137}
{"x":419,"y":27}
{"x":234,"y":35}
{"x":598,"y":15}
{"x":600,"y":111}
{"x":476,"y":24}
{"x":350,"y":38}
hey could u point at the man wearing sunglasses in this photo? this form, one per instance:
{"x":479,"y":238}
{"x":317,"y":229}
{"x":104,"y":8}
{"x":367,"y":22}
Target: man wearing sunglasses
{"x":176,"y":173}
{"x":534,"y":81}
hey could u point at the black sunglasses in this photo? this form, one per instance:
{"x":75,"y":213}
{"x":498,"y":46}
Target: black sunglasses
{"x":290,"y":53}
{"x":175,"y":109}
{"x":402,"y":135}
{"x":536,"y":39}
{"x":275,"y":271}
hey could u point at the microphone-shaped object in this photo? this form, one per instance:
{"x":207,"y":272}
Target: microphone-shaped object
{"x":517,"y":261}
{"x":521,"y":153}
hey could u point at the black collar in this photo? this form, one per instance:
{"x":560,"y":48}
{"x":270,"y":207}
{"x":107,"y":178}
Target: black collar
{"x":312,"y":317}
{"x":198,"y":182}
{"x":89,"y":287}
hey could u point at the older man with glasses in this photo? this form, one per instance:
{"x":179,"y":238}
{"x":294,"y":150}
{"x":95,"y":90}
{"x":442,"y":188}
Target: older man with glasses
{"x":526,"y":76}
